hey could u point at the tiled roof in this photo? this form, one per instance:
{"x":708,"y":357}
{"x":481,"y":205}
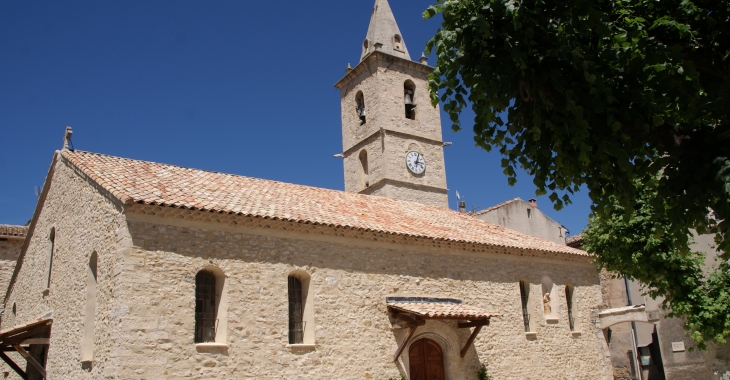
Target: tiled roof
{"x":486,"y":210}
{"x":438,"y":310}
{"x":575,"y":241}
{"x":134,"y":181}
{"x":14,"y":231}
{"x":24,"y":327}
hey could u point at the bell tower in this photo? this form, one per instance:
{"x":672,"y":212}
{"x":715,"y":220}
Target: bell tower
{"x":391,"y":134}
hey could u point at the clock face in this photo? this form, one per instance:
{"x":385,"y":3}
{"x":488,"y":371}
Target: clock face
{"x":415,"y":162}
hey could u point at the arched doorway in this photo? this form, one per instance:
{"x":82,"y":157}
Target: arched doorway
{"x":426,"y":360}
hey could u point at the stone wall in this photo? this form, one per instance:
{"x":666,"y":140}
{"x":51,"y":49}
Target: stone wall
{"x":9,"y":252}
{"x":514,"y":216}
{"x":85,"y":221}
{"x":349,"y":283}
{"x":387,"y":135}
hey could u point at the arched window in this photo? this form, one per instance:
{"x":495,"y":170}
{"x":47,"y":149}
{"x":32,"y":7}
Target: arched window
{"x":365,"y":47}
{"x":364,"y":181}
{"x":360,"y":106}
{"x":49,"y":258}
{"x":398,"y":42}
{"x":409,"y":89}
{"x":87,"y":340}
{"x":301,"y":309}
{"x":569,"y":300}
{"x":211,"y":306}
{"x":525,"y":298}
{"x":205,"y":311}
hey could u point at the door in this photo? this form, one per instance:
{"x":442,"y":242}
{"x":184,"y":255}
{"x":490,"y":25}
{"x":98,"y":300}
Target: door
{"x":426,"y":360}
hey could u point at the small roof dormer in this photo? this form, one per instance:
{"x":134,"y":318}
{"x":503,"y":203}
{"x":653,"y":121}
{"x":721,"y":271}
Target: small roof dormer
{"x":383,"y":33}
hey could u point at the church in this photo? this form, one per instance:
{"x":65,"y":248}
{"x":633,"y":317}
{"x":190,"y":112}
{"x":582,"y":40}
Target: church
{"x":140,"y":270}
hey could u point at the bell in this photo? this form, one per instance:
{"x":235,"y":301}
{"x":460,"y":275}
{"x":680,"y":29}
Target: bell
{"x":409,"y":98}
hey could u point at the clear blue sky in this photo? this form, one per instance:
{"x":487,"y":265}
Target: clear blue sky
{"x":243,"y":87}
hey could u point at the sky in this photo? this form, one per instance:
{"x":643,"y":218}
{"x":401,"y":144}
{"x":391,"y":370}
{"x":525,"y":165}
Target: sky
{"x":241,"y":87}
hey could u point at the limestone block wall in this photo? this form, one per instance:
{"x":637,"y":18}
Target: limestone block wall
{"x":411,"y":193}
{"x":397,"y":146}
{"x":85,"y":221}
{"x":376,"y":164}
{"x":381,"y":79}
{"x":349,"y":282}
{"x":9,"y":252}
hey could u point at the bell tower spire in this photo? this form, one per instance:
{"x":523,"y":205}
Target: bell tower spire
{"x":383,"y":33}
{"x":391,"y":133}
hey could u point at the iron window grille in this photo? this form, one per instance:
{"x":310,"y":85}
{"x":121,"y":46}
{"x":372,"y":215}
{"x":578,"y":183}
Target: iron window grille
{"x":296,"y":312}
{"x":569,"y":298}
{"x":524,"y":293}
{"x":205,"y":312}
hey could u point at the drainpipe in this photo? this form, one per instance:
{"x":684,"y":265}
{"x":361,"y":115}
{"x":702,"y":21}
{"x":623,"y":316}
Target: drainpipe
{"x":635,"y":342}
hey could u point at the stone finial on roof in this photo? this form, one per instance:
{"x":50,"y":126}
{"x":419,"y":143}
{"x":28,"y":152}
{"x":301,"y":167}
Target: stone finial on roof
{"x":383,"y":30}
{"x":67,"y":139}
{"x":423,"y":59}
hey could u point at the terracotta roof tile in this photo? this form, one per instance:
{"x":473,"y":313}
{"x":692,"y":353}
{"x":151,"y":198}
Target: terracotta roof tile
{"x":14,"y":231}
{"x":167,"y":185}
{"x":575,"y":241}
{"x":438,"y":310}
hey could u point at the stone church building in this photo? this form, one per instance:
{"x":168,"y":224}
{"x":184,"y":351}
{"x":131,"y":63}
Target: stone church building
{"x":140,"y":270}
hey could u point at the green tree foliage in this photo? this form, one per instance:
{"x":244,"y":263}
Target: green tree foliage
{"x":598,"y":93}
{"x":642,"y":248}
{"x":482,"y":373}
{"x":607,"y":94}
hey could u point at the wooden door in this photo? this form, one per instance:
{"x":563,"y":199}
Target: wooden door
{"x":426,"y":360}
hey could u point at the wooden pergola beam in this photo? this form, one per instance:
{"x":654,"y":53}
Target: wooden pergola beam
{"x":14,"y":366}
{"x":473,"y":336}
{"x":466,"y":325}
{"x":405,"y":343}
{"x":31,"y":360}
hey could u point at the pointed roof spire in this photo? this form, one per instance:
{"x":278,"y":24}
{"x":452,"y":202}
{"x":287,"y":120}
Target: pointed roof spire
{"x":383,"y":33}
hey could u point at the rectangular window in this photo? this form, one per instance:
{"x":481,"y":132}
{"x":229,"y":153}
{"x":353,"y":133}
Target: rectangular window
{"x":525,"y":294}
{"x":296,"y":312}
{"x":569,"y":299}
{"x":205,"y":311}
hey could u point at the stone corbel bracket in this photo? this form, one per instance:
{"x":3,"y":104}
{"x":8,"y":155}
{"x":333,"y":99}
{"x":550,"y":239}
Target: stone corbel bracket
{"x":610,"y":317}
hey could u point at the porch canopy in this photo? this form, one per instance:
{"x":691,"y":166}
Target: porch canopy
{"x":15,"y":338}
{"x":411,"y":312}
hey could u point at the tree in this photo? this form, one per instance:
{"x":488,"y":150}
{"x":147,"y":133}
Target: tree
{"x":641,"y":248}
{"x":607,"y":94}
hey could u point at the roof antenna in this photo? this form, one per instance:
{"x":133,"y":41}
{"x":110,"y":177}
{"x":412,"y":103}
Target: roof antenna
{"x":67,"y":144}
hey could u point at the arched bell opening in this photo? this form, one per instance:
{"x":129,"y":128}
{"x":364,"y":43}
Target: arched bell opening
{"x":409,"y":89}
{"x":360,"y":106}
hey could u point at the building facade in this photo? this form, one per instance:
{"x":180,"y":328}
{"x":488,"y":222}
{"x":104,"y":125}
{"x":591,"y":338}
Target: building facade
{"x":524,"y":217}
{"x":391,"y":134}
{"x":138,"y":270}
{"x":661,"y":349}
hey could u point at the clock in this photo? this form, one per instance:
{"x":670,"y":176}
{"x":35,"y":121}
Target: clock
{"x":415,"y":162}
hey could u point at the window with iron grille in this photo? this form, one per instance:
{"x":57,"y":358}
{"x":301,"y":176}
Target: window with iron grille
{"x":205,"y":310}
{"x":569,"y":299}
{"x":296,"y":309}
{"x":525,"y":294}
